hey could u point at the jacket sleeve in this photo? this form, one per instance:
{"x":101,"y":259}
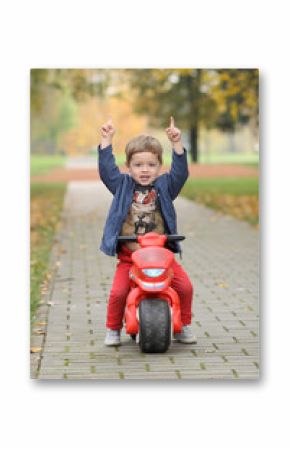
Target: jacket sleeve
{"x":108,"y":170}
{"x":178,"y":173}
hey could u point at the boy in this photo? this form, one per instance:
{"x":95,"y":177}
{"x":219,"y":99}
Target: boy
{"x":143,"y":202}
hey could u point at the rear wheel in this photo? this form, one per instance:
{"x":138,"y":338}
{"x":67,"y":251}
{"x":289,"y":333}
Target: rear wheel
{"x":154,"y":325}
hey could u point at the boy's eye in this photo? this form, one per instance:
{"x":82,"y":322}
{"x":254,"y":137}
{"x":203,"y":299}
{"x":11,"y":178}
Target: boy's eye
{"x":138,"y":164}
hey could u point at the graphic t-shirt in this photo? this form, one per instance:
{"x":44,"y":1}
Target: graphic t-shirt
{"x":144,"y":214}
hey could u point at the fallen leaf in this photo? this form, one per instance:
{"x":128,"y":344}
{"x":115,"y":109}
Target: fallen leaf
{"x":223,"y":285}
{"x":35,"y":349}
{"x":39,"y":332}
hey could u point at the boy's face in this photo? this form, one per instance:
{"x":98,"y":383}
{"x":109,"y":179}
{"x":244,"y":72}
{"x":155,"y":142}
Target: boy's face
{"x":144,"y":168}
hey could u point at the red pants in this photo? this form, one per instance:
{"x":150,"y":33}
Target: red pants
{"x":121,"y":286}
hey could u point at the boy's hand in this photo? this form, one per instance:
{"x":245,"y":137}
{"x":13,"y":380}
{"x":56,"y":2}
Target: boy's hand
{"x":173,"y":134}
{"x":107,"y":133}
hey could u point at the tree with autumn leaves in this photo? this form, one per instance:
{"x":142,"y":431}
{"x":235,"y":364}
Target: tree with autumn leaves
{"x":219,"y":98}
{"x":68,"y":104}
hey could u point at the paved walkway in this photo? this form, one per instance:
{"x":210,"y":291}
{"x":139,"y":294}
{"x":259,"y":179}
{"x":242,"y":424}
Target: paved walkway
{"x":221,"y":257}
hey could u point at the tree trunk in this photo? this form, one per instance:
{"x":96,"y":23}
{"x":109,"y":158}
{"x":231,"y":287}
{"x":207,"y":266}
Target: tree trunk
{"x":194,"y":101}
{"x":194,"y":143}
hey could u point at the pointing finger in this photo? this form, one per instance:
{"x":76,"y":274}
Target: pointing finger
{"x":171,"y":122}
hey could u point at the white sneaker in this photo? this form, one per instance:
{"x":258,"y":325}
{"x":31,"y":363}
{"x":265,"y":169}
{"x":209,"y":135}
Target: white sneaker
{"x":186,"y":335}
{"x":113,"y":337}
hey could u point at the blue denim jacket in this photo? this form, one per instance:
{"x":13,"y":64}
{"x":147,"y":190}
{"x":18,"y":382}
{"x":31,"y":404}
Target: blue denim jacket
{"x":121,"y":185}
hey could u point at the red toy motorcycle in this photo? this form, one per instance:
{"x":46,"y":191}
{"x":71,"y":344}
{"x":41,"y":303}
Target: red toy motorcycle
{"x":152,"y":307}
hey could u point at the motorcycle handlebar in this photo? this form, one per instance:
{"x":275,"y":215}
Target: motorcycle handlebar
{"x":133,"y":238}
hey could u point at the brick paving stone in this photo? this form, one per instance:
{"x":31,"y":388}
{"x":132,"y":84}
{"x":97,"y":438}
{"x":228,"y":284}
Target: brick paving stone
{"x":221,"y":257}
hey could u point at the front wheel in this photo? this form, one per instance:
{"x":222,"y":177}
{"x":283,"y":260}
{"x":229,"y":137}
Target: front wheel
{"x":154,"y":325}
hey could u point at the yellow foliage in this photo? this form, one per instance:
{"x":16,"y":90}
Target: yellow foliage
{"x":92,"y":114}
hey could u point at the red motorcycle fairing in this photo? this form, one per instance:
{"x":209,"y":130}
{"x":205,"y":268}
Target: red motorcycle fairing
{"x":152,"y":257}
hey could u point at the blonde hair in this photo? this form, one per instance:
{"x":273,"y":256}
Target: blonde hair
{"x":142,"y":144}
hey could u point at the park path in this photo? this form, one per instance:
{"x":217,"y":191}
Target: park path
{"x":221,"y":256}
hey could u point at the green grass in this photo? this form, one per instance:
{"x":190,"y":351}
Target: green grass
{"x":234,"y":196}
{"x":250,"y":159}
{"x":222,"y":186}
{"x":46,"y":205}
{"x":42,"y":164}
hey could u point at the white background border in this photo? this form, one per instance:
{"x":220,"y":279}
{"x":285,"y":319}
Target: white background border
{"x":144,"y":34}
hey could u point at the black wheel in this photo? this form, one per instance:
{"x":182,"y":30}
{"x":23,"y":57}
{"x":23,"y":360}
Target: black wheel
{"x":154,"y":325}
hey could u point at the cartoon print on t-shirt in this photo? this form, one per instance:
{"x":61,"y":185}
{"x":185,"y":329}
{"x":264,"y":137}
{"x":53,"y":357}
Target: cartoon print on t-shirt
{"x":144,"y":214}
{"x":143,"y":208}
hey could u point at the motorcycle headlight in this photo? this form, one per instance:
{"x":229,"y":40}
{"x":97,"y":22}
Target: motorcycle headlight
{"x":153,"y":272}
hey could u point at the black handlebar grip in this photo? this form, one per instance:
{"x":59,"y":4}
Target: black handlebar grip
{"x":175,"y":237}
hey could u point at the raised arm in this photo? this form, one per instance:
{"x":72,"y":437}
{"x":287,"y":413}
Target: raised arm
{"x":109,"y":172}
{"x":107,"y":133}
{"x":178,"y":173}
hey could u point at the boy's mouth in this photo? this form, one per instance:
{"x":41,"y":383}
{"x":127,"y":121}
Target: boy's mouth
{"x":144,"y":178}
